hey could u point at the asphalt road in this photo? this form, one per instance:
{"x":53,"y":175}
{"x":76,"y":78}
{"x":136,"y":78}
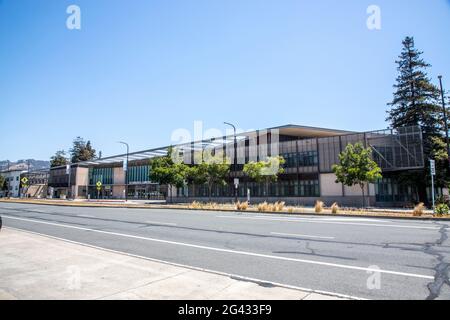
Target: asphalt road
{"x":359,"y":257}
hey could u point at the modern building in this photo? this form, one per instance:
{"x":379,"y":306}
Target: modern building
{"x":12,"y":178}
{"x":309,"y":153}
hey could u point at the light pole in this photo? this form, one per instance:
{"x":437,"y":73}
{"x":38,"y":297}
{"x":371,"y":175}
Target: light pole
{"x":125,"y":168}
{"x":445,"y":118}
{"x":235,"y":159}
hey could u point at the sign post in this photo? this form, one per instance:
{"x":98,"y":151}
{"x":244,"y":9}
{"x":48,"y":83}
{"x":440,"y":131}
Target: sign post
{"x":24,"y":181}
{"x":68,"y":183}
{"x":99,"y":187}
{"x":236,"y":186}
{"x":433,"y":174}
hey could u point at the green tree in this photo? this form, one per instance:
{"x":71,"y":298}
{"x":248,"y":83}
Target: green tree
{"x":416,"y":102}
{"x":265,"y":171}
{"x":164,"y":170}
{"x":59,"y":159}
{"x":82,"y":150}
{"x":356,"y":167}
{"x":3,"y":184}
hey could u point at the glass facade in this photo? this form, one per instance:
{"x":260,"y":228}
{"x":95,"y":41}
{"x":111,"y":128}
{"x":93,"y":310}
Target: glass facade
{"x":138,"y":174}
{"x":284,"y":188}
{"x":104,"y":175}
{"x":389,"y":190}
{"x":301,"y":159}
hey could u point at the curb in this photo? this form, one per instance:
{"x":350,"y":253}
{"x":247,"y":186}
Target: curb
{"x":298,"y":214}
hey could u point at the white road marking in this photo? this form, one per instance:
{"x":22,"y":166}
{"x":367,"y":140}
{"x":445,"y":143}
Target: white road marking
{"x":162,"y":223}
{"x":300,"y":235}
{"x":330,"y":222}
{"x":259,"y":255}
{"x":85,"y":216}
{"x":231,"y":275}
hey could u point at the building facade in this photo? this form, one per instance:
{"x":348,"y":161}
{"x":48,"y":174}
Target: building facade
{"x":309,"y":153}
{"x":12,"y":178}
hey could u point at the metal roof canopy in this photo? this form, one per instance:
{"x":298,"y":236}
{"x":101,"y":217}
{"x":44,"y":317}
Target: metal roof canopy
{"x":290,"y":129}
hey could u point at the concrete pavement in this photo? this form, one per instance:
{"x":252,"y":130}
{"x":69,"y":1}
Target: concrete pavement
{"x":39,"y":267}
{"x":361,"y":257}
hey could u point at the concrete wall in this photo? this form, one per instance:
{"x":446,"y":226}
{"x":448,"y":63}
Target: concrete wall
{"x":81,"y":179}
{"x":328,"y":186}
{"x":119,"y":183}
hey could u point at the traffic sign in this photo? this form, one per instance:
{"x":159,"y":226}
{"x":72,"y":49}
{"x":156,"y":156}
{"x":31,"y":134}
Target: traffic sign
{"x":24,"y":180}
{"x":98,"y":184}
{"x":433,"y":167}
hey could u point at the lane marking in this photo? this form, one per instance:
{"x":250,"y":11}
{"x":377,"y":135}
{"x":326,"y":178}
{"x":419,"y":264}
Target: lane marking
{"x":259,"y":255}
{"x":231,"y":275}
{"x":161,"y":223}
{"x":300,"y":235}
{"x":85,"y":216}
{"x":331,"y":222}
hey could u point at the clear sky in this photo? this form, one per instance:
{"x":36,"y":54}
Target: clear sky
{"x":138,"y":70}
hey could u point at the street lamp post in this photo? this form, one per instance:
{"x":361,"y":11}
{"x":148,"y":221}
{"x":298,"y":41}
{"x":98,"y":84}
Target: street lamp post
{"x":126,"y":170}
{"x":445,"y":118}
{"x":235,"y":158}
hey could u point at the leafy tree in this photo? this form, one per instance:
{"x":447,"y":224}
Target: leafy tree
{"x":356,"y":167}
{"x":164,"y":170}
{"x":3,"y":184}
{"x":59,"y":159}
{"x":265,"y":171}
{"x":82,"y":150}
{"x":416,"y":102}
{"x":214,"y":169}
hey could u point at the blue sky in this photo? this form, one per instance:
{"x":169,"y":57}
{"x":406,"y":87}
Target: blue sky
{"x":137,"y":70}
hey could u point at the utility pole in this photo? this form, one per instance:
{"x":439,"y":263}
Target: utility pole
{"x":445,"y":118}
{"x":9,"y":182}
{"x":125,"y":168}
{"x":234,"y":161}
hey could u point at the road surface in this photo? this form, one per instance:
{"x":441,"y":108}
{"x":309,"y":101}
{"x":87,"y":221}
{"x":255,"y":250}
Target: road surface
{"x":359,"y":257}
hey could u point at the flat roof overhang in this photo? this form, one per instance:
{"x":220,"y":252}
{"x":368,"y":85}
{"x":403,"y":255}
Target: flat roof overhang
{"x":288,"y":130}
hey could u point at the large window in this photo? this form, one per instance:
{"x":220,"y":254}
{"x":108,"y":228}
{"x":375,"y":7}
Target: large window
{"x":389,"y":190}
{"x":104,"y":175}
{"x":138,"y":174}
{"x":301,"y":159}
{"x":282,"y":188}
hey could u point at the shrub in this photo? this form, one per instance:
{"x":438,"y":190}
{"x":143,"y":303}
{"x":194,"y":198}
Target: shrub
{"x":196,"y":205}
{"x":318,"y":208}
{"x":291,"y":210}
{"x":279,"y":205}
{"x":263,"y":206}
{"x":334,"y":208}
{"x":418,"y":209}
{"x":442,"y":209}
{"x":242,"y":206}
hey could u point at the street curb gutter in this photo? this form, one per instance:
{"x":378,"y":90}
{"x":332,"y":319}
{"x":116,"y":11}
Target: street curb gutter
{"x":297,"y":214}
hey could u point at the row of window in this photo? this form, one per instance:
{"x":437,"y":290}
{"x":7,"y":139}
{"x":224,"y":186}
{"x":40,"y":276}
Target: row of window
{"x":103,"y":175}
{"x":388,"y":190}
{"x":138,"y":174}
{"x":300,"y":159}
{"x":303,"y":188}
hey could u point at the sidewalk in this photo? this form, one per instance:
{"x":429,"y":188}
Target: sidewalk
{"x":39,"y":267}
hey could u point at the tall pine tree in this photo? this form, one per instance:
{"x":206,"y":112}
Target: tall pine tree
{"x":82,"y":151}
{"x":416,"y":102}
